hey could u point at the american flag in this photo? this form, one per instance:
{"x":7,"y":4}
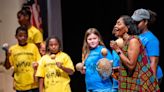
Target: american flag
{"x":35,"y":13}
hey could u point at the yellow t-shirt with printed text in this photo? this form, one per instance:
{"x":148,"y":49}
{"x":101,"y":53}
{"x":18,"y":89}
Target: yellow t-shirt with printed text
{"x":21,"y":58}
{"x":55,"y":79}
{"x":34,"y":35}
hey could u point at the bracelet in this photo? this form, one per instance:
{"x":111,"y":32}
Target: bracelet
{"x":118,"y":52}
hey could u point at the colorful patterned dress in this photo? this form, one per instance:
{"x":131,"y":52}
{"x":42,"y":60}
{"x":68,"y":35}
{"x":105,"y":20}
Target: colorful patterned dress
{"x":141,"y":79}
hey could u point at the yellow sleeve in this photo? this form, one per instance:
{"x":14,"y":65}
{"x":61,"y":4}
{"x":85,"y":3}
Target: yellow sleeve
{"x":68,"y":62}
{"x":38,"y":37}
{"x":40,"y":70}
{"x":37,"y":54}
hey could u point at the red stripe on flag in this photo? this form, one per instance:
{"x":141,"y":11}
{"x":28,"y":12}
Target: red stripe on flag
{"x":35,"y":15}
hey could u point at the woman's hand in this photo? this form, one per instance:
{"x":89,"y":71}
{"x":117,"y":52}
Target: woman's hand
{"x":115,"y":72}
{"x":114,"y":46}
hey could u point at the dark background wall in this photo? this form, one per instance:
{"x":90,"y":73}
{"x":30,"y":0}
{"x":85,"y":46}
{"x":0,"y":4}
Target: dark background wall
{"x":79,"y":15}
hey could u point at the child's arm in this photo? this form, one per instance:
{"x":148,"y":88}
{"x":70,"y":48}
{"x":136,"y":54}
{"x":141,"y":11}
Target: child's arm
{"x":67,"y":70}
{"x":41,"y":84}
{"x":80,"y":67}
{"x":7,"y":64}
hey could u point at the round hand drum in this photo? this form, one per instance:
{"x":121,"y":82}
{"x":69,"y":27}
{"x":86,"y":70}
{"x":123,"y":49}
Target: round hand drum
{"x":104,"y":66}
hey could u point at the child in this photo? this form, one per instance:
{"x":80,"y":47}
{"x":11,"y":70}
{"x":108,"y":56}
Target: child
{"x":21,"y":56}
{"x":42,"y":48}
{"x":91,"y":54}
{"x":54,"y":68}
{"x":34,"y":35}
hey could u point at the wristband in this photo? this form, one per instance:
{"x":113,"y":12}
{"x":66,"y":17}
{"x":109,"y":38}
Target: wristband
{"x":118,"y":52}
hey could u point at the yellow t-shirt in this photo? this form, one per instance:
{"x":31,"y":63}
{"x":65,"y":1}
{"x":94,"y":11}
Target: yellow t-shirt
{"x":21,"y":58}
{"x":34,"y":35}
{"x":55,"y":79}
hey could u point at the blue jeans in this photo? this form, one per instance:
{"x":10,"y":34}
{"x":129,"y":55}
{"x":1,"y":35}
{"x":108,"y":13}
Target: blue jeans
{"x":31,"y":90}
{"x":100,"y":90}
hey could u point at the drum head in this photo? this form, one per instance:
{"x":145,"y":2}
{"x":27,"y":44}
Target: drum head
{"x":104,"y":67}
